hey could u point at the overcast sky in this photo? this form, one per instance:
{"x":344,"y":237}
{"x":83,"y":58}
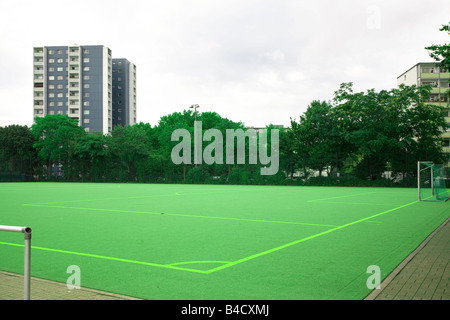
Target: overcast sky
{"x":255,"y":61}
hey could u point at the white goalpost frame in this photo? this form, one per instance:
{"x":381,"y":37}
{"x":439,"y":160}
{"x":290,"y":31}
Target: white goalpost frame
{"x":27,"y":256}
{"x":418,"y":177}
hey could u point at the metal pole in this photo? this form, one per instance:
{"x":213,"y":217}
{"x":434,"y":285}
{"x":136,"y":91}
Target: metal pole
{"x":27,"y":255}
{"x":195,"y":107}
{"x":432,"y":181}
{"x":27,"y":264}
{"x":196,"y":147}
{"x":418,"y":178}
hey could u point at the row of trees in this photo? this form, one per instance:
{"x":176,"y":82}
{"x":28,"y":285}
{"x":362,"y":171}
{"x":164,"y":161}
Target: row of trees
{"x":355,"y":138}
{"x":368,"y":134}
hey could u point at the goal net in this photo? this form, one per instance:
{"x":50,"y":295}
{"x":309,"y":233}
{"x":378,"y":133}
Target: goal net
{"x":431,"y":182}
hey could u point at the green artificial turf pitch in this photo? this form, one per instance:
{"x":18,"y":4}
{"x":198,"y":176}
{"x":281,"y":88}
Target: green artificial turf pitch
{"x":215,"y":242}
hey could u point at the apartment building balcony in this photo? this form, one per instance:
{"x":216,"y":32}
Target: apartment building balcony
{"x":38,"y":53}
{"x":446,"y":135}
{"x":438,"y":104}
{"x":435,"y":75}
{"x":438,"y":90}
{"x":74,"y":51}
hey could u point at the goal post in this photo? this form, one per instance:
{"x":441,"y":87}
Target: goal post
{"x":431,"y":182}
{"x":27,"y":256}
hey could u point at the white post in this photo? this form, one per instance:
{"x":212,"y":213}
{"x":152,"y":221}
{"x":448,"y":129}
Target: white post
{"x":27,"y":264}
{"x":418,"y":178}
{"x":27,"y":257}
{"x":432,"y":181}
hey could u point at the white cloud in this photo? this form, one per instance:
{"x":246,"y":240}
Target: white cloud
{"x":256,"y":61}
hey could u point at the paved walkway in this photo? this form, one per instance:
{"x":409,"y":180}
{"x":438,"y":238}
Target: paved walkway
{"x":424,"y":275}
{"x":11,"y":288}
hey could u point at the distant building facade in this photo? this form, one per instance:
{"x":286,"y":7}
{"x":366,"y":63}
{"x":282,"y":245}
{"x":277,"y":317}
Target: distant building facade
{"x":124,"y":92}
{"x":76,"y":81}
{"x":430,"y":73}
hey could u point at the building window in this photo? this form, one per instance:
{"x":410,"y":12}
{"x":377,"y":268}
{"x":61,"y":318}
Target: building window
{"x":85,"y":120}
{"x":86,"y":77}
{"x":86,"y":69}
{"x":60,"y":60}
{"x":86,"y":112}
{"x":86,"y":86}
{"x":86,"y":60}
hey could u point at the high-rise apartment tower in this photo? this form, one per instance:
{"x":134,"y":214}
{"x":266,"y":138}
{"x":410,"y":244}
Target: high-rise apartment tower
{"x":77,"y":81}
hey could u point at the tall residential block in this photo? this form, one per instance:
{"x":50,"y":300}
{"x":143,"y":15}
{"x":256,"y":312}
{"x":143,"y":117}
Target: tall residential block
{"x":124,"y":92}
{"x":76,"y":81}
{"x":430,"y":73}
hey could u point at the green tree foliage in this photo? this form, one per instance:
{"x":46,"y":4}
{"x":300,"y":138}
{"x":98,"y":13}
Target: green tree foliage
{"x":55,"y":142}
{"x":366,"y":134}
{"x":16,"y":150}
{"x":130,"y":148}
{"x":92,"y":158}
{"x":441,"y":53}
{"x":355,"y":138}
